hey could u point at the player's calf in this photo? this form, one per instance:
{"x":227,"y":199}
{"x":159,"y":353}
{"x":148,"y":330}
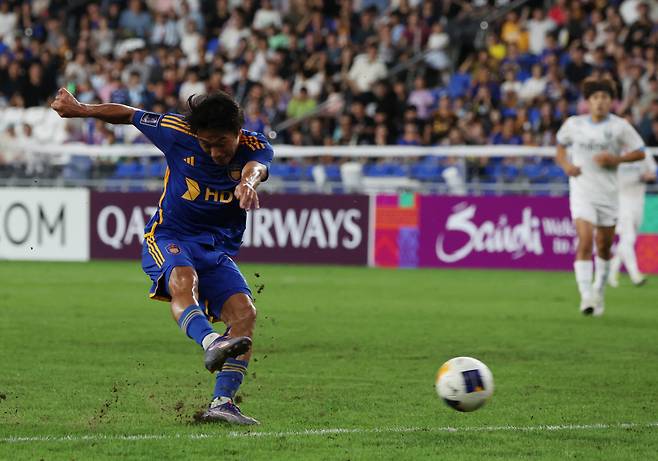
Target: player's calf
{"x":183,"y":283}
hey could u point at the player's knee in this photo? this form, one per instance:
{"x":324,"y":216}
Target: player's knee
{"x":183,"y":281}
{"x":603,"y":251}
{"x":584,"y":249}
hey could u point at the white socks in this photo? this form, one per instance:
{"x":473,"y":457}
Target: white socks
{"x":584,"y":271}
{"x":208,"y":339}
{"x":602,"y":269}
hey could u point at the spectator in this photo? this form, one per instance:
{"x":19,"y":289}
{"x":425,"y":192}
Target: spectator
{"x":507,"y":134}
{"x":266,"y":16}
{"x":538,"y":27}
{"x":421,"y":98}
{"x":12,"y":79}
{"x":191,"y":86}
{"x":367,"y":69}
{"x":253,"y":119}
{"x":362,"y":124}
{"x":301,"y":104}
{"x":135,"y":22}
{"x":119,"y":94}
{"x":438,"y":42}
{"x":409,"y":136}
{"x":511,"y":84}
{"x":136,"y":90}
{"x":164,"y":31}
{"x":534,"y":86}
{"x":235,"y":31}
{"x":242,"y":85}
{"x":190,"y":43}
{"x":443,"y":121}
{"x":36,"y":92}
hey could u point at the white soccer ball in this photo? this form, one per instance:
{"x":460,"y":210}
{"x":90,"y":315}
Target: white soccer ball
{"x":464,"y":383}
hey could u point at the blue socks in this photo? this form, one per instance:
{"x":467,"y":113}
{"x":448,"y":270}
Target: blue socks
{"x":195,"y":324}
{"x":230,"y":378}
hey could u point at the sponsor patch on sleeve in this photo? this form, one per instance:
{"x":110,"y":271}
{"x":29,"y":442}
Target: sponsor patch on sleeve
{"x":150,"y":119}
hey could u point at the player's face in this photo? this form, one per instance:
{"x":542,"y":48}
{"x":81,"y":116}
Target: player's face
{"x":599,"y":104}
{"x":221,"y":146}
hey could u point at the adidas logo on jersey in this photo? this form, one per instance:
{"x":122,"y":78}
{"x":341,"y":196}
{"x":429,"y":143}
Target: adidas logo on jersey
{"x":189,"y":160}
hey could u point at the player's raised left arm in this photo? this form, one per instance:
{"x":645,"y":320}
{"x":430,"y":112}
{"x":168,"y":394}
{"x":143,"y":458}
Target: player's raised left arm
{"x":67,"y":106}
{"x":253,"y":174}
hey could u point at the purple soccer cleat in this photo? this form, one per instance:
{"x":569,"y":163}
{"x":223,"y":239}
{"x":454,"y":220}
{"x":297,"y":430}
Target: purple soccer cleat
{"x":225,"y":411}
{"x":222,"y":348}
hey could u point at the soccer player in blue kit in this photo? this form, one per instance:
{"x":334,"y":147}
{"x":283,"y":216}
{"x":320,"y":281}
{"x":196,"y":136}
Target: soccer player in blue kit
{"x":213,"y":170}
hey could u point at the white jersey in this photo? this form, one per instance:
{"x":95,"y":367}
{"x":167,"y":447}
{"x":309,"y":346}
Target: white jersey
{"x":632,"y":190}
{"x":629,"y":176}
{"x":584,"y":139}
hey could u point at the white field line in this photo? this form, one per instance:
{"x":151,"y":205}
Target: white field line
{"x":329,"y":431}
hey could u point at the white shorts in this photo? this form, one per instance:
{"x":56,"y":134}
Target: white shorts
{"x":599,"y":214}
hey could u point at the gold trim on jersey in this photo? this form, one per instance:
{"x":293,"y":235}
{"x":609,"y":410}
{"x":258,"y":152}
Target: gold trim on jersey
{"x":176,"y":120}
{"x":164,"y":191}
{"x":177,"y":128}
{"x":154,"y":250}
{"x":251,"y":142}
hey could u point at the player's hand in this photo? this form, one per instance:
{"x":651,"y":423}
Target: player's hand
{"x":66,"y":105}
{"x":572,"y":170}
{"x":247,"y":195}
{"x":606,"y":160}
{"x":648,"y":177}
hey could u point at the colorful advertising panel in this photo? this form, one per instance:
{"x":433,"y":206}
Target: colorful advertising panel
{"x":513,"y":232}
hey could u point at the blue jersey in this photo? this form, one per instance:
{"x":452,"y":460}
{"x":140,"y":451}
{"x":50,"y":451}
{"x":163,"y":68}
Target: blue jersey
{"x":198,"y":202}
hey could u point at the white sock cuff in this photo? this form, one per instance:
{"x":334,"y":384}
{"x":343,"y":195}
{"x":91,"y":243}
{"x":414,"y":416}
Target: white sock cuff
{"x":583,"y":267}
{"x":208,"y":339}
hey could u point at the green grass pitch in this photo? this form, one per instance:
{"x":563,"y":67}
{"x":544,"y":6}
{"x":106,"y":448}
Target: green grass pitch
{"x":92,"y":369}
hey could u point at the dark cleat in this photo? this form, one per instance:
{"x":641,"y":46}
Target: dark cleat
{"x":640,"y":282}
{"x":587,"y":306}
{"x":226,"y":412}
{"x":222,"y":348}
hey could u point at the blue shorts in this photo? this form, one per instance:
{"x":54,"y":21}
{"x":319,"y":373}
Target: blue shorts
{"x":219,"y":276}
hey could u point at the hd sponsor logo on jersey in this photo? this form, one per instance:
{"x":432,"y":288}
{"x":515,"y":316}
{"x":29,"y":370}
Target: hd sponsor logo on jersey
{"x":194,"y":190}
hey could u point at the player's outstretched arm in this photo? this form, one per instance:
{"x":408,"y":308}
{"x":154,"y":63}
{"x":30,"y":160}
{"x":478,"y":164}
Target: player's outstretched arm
{"x":67,"y":106}
{"x":253,"y":174}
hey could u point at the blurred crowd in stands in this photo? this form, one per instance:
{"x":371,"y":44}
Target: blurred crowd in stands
{"x":339,"y":72}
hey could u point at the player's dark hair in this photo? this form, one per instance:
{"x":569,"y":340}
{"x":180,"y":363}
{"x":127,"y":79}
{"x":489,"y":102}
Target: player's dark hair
{"x":591,"y":85}
{"x":216,"y":111}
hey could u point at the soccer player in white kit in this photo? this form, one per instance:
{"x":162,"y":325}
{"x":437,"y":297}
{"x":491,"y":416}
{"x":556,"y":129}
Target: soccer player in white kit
{"x":632,"y":178}
{"x":590,"y":147}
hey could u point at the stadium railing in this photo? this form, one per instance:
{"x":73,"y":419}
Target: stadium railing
{"x":34,"y":152}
